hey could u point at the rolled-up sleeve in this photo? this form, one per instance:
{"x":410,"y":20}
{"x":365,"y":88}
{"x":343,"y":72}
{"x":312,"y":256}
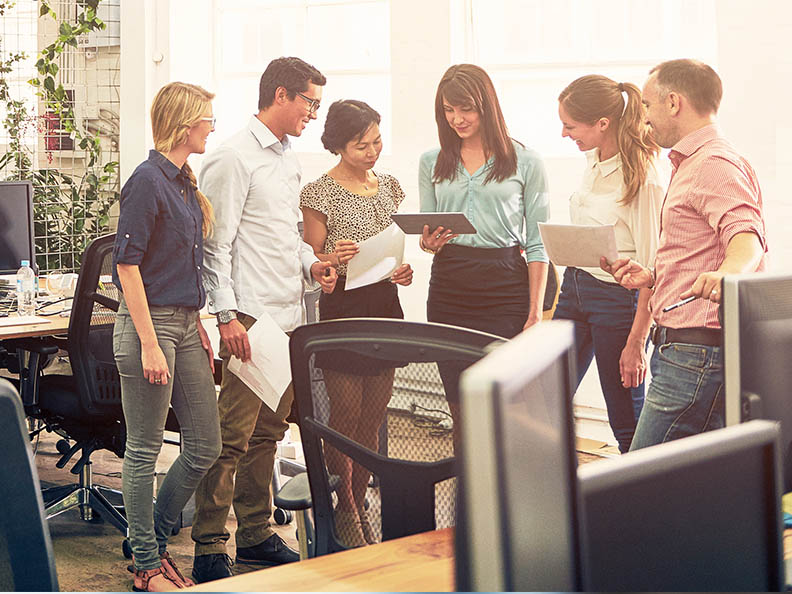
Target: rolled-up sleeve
{"x":136,"y":220}
{"x":729,"y":200}
{"x":225,"y":180}
{"x":536,"y":207}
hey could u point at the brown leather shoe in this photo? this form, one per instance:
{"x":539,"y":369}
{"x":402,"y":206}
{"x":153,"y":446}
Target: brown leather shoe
{"x":153,"y":580}
{"x":172,"y":572}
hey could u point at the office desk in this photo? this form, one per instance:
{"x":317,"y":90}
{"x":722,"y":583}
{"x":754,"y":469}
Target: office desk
{"x":421,"y":562}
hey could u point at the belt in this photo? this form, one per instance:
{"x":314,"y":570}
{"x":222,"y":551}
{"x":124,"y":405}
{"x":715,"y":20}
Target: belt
{"x":704,"y":336}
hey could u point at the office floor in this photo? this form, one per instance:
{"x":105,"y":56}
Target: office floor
{"x":88,"y":555}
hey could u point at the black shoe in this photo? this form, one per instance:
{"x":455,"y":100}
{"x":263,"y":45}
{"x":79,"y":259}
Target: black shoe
{"x":210,"y":567}
{"x":272,"y":551}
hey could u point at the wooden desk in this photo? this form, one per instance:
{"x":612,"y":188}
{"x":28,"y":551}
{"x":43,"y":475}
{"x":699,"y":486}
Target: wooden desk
{"x":422,"y":562}
{"x":56,"y":325}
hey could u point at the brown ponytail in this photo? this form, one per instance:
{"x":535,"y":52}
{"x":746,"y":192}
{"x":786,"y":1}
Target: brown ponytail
{"x":592,"y":97}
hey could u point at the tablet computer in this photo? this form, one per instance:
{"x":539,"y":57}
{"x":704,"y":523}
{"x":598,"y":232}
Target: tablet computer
{"x":412,"y":223}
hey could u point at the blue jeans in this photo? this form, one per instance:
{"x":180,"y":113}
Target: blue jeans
{"x":191,"y":392}
{"x":603,"y":314}
{"x":685,"y":396}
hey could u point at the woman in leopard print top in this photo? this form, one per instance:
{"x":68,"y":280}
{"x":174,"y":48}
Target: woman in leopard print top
{"x":349,"y":204}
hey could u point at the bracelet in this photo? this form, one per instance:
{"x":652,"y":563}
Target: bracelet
{"x":424,"y":248}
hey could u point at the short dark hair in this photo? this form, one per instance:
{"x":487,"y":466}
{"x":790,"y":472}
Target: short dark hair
{"x":293,"y":74}
{"x":346,"y":120}
{"x":695,"y":80}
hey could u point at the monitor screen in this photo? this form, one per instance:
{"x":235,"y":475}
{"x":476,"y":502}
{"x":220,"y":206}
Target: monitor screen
{"x":696,"y":514}
{"x":757,"y":354}
{"x":517,"y":525}
{"x":16,"y":225}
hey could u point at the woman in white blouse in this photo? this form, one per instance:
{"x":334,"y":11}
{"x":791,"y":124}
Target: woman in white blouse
{"x":620,"y":187}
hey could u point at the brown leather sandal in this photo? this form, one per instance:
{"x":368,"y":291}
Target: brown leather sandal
{"x":143,"y":577}
{"x":172,"y":571}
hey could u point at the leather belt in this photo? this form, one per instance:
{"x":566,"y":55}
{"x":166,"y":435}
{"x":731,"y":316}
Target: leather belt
{"x":704,"y":336}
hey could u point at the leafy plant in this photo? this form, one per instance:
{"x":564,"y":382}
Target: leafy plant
{"x":69,"y":210}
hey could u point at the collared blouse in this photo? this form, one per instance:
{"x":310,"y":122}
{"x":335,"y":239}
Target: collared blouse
{"x":160,"y":230}
{"x":504,"y":213}
{"x":598,"y":201}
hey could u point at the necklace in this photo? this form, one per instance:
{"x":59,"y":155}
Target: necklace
{"x":353,"y":180}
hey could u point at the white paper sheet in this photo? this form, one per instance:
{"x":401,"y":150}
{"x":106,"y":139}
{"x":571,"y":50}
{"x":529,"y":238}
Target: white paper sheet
{"x":15,"y":320}
{"x":377,"y":258}
{"x":268,"y":373}
{"x":578,"y":245}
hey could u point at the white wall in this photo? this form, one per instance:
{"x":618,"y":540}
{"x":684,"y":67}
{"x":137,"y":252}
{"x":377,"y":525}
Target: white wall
{"x":752,"y":59}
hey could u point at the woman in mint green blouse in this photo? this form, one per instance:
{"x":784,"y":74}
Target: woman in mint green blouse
{"x":493,"y":280}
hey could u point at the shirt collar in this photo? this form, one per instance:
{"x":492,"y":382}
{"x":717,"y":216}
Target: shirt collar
{"x":265,"y":136}
{"x":605,"y":167}
{"x":692,"y":142}
{"x":168,"y":168}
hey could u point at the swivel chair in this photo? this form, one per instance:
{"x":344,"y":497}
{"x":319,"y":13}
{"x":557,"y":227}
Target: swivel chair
{"x":84,"y":407}
{"x":413,"y":472}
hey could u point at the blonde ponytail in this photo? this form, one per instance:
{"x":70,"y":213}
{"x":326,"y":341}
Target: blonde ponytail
{"x":176,"y":108}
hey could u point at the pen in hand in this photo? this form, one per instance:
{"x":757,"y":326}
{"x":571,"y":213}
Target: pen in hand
{"x":679,"y":303}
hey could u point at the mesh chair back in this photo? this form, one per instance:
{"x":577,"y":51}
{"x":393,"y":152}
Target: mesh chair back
{"x":96,"y":301}
{"x":374,"y":410}
{"x":27,"y":563}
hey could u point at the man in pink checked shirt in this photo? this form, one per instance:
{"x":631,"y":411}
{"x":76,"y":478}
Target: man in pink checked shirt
{"x":711,"y":225}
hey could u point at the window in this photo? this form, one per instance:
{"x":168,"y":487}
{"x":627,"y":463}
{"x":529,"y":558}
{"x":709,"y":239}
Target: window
{"x":532,"y":49}
{"x":348,"y":41}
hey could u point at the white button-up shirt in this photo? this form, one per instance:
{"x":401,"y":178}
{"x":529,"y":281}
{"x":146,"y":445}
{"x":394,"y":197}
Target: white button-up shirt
{"x":255,"y":261}
{"x":598,"y":202}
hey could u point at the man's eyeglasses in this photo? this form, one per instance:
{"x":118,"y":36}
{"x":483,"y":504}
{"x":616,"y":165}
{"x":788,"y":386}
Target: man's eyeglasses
{"x":313,"y":104}
{"x":212,"y":120}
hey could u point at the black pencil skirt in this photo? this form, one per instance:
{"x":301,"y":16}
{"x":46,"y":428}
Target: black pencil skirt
{"x":380,"y":300}
{"x":483,"y":289}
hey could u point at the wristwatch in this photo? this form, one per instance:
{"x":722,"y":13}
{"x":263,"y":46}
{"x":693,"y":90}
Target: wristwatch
{"x":225,"y":316}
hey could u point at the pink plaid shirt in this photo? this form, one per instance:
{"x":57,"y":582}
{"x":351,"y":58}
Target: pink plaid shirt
{"x":713,"y":196}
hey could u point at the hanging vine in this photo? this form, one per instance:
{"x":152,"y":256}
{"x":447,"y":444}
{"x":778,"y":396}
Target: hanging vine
{"x":69,"y":210}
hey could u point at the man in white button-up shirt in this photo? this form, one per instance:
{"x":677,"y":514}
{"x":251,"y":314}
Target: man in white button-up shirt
{"x":254,"y":264}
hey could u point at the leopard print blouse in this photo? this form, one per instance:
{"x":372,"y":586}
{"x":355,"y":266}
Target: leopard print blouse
{"x":349,"y":215}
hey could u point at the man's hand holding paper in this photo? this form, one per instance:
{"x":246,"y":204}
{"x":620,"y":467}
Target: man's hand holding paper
{"x":268,"y":370}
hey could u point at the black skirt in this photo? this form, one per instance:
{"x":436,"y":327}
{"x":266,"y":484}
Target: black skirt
{"x":483,"y":289}
{"x":380,"y":300}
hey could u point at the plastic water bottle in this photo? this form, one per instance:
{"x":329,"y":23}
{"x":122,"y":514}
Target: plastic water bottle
{"x":26,"y":290}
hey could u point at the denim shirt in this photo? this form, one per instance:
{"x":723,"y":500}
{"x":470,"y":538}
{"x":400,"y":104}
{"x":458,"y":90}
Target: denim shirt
{"x":160,"y":230}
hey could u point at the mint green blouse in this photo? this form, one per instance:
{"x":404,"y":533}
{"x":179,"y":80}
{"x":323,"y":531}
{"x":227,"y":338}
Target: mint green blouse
{"x":504,"y":213}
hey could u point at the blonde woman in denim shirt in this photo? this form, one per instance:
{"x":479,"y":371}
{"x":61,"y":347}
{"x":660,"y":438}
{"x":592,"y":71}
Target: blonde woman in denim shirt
{"x":162,"y":352}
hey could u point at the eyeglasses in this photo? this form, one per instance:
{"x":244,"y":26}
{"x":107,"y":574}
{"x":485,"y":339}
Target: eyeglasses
{"x":313,"y":104}
{"x":212,"y":120}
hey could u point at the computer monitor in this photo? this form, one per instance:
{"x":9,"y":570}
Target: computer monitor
{"x":695,"y":514}
{"x":16,"y":225}
{"x":757,"y":354}
{"x":516,"y":521}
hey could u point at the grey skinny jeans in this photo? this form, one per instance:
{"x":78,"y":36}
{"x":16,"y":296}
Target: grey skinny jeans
{"x":191,"y":392}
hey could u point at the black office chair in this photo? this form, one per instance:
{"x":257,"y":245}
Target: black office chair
{"x":26,"y":559}
{"x":84,"y":407}
{"x":413,"y":488}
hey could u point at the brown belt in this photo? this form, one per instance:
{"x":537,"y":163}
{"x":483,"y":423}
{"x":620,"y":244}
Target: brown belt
{"x":704,"y":336}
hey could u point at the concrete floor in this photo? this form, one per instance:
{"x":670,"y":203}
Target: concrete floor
{"x":88,"y":555}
